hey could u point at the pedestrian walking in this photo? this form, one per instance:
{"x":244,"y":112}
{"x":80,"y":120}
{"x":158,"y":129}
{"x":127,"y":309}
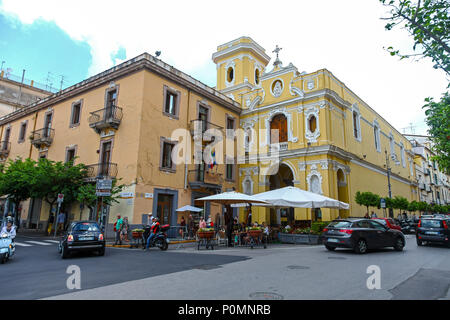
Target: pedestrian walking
{"x":118,"y":228}
{"x":124,"y":231}
{"x":191,"y":226}
{"x":61,"y":220}
{"x":51,"y":220}
{"x":182,"y":227}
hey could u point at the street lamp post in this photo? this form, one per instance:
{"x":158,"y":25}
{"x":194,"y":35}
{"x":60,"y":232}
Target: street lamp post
{"x":388,"y":168}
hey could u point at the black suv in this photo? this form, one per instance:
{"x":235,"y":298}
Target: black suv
{"x":360,"y":235}
{"x":433,"y":230}
{"x":82,"y":236}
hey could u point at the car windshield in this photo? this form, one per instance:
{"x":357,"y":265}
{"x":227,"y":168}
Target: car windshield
{"x":86,"y":227}
{"x":428,"y":223}
{"x":340,"y":224}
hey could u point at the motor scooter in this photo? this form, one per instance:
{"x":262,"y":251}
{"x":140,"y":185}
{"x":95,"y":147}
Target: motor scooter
{"x":7,"y":247}
{"x":160,"y":240}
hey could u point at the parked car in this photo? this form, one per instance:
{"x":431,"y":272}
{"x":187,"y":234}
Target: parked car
{"x":433,"y":230}
{"x":388,"y":222}
{"x":361,"y":235}
{"x":82,"y":236}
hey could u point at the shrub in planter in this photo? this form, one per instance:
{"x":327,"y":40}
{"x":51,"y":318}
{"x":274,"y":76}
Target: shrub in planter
{"x":319,"y":226}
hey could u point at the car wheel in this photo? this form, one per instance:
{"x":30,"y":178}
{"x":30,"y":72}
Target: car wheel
{"x":419,"y":242}
{"x":398,"y":246}
{"x":64,"y":253}
{"x":330,"y":248}
{"x":361,"y":246}
{"x":101,"y":252}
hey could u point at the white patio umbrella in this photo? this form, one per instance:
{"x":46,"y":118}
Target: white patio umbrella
{"x":293,"y":197}
{"x":189,"y":208}
{"x":233,"y":197}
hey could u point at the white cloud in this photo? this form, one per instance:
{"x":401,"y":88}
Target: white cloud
{"x":346,"y":37}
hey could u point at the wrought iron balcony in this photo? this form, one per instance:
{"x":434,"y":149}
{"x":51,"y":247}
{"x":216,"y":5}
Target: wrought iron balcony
{"x":5,"y":146}
{"x":106,"y":118}
{"x":42,"y":137}
{"x":105,"y":170}
{"x":198,"y":127}
{"x":198,"y":179}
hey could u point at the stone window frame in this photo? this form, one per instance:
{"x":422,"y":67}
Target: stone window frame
{"x":355,"y":111}
{"x":230,"y":161}
{"x":169,"y":90}
{"x":75,"y":103}
{"x":164,"y":140}
{"x":100,"y":149}
{"x":68,"y":148}
{"x":376,"y":133}
{"x":230,"y":64}
{"x":23,"y":124}
{"x":402,"y":154}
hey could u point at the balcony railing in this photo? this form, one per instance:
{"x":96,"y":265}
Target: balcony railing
{"x":102,"y":170}
{"x":204,"y":179}
{"x":42,"y":137}
{"x":198,"y":127}
{"x":106,"y":118}
{"x":5,"y":146}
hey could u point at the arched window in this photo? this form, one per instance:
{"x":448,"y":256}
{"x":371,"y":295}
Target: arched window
{"x":230,"y":74}
{"x":279,"y":122}
{"x":312,"y":123}
{"x":376,"y":134}
{"x":315,"y":184}
{"x":256,"y":76}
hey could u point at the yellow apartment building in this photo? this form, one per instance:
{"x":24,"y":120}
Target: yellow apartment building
{"x":121,"y":124}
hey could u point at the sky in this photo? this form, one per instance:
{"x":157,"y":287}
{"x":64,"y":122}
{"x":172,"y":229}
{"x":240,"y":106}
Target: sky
{"x":78,"y":39}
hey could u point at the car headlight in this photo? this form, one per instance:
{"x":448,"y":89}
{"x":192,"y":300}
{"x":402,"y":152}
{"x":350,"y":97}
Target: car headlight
{"x":4,"y":235}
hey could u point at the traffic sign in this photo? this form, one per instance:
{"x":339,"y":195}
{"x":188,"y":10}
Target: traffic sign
{"x":103,"y":193}
{"x":60,"y":198}
{"x":104,"y":184}
{"x":383,"y":203}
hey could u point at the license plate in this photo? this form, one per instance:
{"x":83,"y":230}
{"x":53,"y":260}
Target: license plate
{"x":333,"y":240}
{"x":85,"y":238}
{"x":432,"y":232}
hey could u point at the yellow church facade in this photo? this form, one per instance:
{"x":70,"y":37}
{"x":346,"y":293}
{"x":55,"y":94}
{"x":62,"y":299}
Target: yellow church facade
{"x":329,"y":140}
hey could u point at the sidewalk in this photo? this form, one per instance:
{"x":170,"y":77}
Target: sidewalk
{"x":110,"y":243}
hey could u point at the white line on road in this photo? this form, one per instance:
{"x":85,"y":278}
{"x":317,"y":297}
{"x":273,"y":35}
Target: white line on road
{"x":52,"y":241}
{"x":40,"y":243}
{"x":22,"y":244}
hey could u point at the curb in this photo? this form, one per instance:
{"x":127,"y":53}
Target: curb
{"x":132,"y":246}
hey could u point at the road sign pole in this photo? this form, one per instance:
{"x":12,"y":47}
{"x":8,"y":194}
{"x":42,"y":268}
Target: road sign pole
{"x":56,"y":219}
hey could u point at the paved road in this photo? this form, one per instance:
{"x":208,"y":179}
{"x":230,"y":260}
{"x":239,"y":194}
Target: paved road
{"x":37,"y":270}
{"x":280,"y":272}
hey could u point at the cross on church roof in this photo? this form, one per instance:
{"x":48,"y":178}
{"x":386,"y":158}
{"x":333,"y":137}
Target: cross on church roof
{"x":277,"y":61}
{"x":277,"y":50}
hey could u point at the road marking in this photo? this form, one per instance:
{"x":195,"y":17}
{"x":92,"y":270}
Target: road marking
{"x":40,"y":243}
{"x":22,"y":244}
{"x":52,"y":241}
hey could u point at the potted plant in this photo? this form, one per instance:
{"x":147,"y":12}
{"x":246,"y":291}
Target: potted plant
{"x":308,"y":235}
{"x":206,"y":233}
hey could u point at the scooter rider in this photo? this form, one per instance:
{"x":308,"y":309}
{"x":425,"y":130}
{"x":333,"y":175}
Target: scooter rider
{"x":154,"y":231}
{"x":10,"y":229}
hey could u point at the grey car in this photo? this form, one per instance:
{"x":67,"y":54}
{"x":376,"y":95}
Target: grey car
{"x":361,"y":235}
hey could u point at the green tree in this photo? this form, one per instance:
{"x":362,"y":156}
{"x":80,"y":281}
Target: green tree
{"x":438,"y":121}
{"x":422,"y":206}
{"x":400,"y":203}
{"x":54,"y":177}
{"x":16,"y":181}
{"x":428,"y":22}
{"x":367,"y":199}
{"x":413,"y":206}
{"x":87,"y":196}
